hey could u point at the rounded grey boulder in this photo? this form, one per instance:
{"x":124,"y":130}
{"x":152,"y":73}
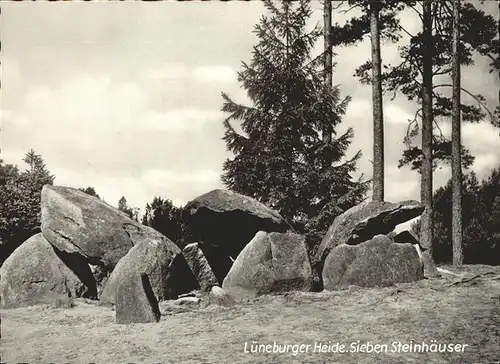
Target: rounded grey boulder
{"x":35,"y":274}
{"x":362,"y":222}
{"x":161,"y":260}
{"x":378,"y":262}
{"x":270,"y":263}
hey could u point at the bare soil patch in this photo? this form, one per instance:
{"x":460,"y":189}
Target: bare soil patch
{"x":463,"y":309}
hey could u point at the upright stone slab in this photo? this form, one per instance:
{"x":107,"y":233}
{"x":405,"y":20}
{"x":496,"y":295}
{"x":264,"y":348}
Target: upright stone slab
{"x":135,"y":301}
{"x":200,"y":267}
{"x":157,"y":259}
{"x":363,"y":222}
{"x":378,"y":262}
{"x":270,"y":263}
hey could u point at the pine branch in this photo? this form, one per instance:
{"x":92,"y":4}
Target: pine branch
{"x":404,"y":30}
{"x":350,"y":8}
{"x":475,"y":97}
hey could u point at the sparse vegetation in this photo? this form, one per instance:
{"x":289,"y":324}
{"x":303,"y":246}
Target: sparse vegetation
{"x":462,"y":308}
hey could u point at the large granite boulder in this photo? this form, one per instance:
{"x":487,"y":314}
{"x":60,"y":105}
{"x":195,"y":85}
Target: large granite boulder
{"x":378,"y":262}
{"x":163,"y":263}
{"x":198,"y":263}
{"x":270,"y":263}
{"x":363,"y":222}
{"x":34,"y":273}
{"x":230,"y":220}
{"x":135,"y":300}
{"x":430,"y":269}
{"x":77,"y":223}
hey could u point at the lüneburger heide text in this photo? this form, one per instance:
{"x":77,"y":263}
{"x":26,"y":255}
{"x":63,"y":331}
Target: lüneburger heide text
{"x":318,"y":347}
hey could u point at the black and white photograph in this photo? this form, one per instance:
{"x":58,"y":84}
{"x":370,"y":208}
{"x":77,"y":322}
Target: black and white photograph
{"x":262,"y":181}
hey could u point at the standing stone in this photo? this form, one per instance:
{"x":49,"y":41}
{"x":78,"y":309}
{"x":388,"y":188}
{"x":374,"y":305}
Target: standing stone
{"x":135,"y":301}
{"x":378,"y":262}
{"x":270,"y":263}
{"x":218,"y":259}
{"x":199,"y":266}
{"x":34,"y":274}
{"x":153,"y":257}
{"x":362,"y":222}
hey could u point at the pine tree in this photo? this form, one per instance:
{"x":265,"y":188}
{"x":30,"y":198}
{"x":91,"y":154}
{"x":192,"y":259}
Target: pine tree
{"x":476,"y":29}
{"x":378,"y":113}
{"x":426,"y":229}
{"x":378,"y":20}
{"x":427,"y":56}
{"x":280,"y":156}
{"x":478,"y":32}
{"x":456,"y":142}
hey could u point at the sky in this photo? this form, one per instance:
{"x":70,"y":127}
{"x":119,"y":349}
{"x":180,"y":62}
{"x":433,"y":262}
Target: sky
{"x":126,"y":96}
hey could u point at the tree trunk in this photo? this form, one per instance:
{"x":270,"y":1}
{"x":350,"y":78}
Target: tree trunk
{"x":378,"y":117}
{"x":426,"y":234}
{"x":456,"y":163}
{"x":327,"y":60}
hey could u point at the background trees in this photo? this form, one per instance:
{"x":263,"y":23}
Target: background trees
{"x":20,"y":202}
{"x":166,"y":218}
{"x":132,"y":212}
{"x":481,"y":214}
{"x":280,"y":155}
{"x":90,"y":191}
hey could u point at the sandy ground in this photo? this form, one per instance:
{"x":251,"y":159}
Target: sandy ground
{"x":455,"y":309}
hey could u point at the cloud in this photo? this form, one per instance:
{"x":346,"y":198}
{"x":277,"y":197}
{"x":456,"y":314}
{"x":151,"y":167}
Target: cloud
{"x":10,"y":72}
{"x":109,"y":188}
{"x":140,"y":189}
{"x":181,"y":120}
{"x":484,"y":163}
{"x":161,"y":177}
{"x":219,"y":74}
{"x":487,"y":134}
{"x":13,"y":156}
{"x":401,"y":184}
{"x":169,"y":71}
{"x":87,"y":105}
{"x":396,"y":113}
